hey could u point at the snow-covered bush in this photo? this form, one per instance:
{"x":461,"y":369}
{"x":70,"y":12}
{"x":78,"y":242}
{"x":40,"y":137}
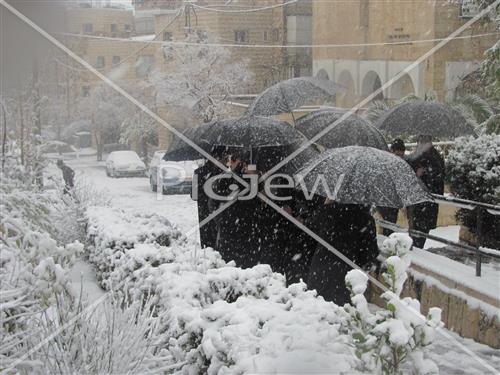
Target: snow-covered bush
{"x":32,"y":275}
{"x":34,"y":264}
{"x":221,"y":319}
{"x":473,"y":171}
{"x":106,"y":339}
{"x":115,"y":237}
{"x":392,"y":339}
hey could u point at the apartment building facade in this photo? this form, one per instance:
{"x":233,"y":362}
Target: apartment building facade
{"x":370,"y":41}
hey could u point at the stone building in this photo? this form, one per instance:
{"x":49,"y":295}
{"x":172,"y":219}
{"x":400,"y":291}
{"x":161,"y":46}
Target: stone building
{"x":113,"y":22}
{"x":156,"y":4}
{"x":126,"y":45}
{"x":298,"y":32}
{"x":243,"y":28}
{"x":406,"y":27}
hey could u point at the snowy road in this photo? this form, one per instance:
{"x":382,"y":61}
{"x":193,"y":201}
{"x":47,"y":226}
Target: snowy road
{"x":134,"y":194}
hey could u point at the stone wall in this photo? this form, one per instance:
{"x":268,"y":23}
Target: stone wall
{"x":465,"y":311}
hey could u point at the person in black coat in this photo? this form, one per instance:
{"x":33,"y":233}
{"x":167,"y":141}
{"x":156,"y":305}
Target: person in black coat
{"x":390,"y":214}
{"x":351,"y":230}
{"x":429,"y":166}
{"x":299,"y":247}
{"x":238,"y":235}
{"x":68,"y":176}
{"x":208,"y":232}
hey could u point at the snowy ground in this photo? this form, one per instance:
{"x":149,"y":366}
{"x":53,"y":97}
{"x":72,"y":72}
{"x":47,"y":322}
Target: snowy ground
{"x":449,"y":233}
{"x":134,"y":194}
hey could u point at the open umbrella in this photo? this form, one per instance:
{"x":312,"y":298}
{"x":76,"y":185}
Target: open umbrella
{"x":265,"y":141}
{"x":363,"y":175}
{"x":293,"y":93}
{"x":180,"y":150}
{"x":352,"y":131}
{"x":251,"y":132}
{"x":424,"y":117}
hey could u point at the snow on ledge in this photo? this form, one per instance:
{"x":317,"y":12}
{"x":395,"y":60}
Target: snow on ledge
{"x":487,"y":284}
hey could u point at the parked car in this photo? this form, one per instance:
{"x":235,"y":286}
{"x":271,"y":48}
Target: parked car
{"x":125,"y":164}
{"x":176,"y":177}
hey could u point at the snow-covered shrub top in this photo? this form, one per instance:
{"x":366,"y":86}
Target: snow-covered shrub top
{"x":220,"y":319}
{"x":474,"y":168}
{"x":112,"y":227}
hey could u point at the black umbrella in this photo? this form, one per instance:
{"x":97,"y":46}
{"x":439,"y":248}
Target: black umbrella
{"x":363,"y":175}
{"x":264,"y":141}
{"x":293,"y":93}
{"x":351,"y":131}
{"x":180,"y":150}
{"x":267,"y":158}
{"x":424,"y":117}
{"x":250,"y":132}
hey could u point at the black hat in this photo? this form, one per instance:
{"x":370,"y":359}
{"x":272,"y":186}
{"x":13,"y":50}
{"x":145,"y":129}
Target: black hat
{"x":398,"y":145}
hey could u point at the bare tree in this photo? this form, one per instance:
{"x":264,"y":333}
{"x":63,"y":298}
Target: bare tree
{"x":104,"y":110}
{"x":203,"y":77}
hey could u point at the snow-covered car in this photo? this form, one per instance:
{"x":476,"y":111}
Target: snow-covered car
{"x":125,"y":164}
{"x":172,"y":177}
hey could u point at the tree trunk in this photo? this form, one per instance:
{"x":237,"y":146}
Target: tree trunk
{"x":4,"y":136}
{"x":144,"y":147}
{"x":98,"y":144}
{"x":37,"y":120}
{"x":21,"y":130}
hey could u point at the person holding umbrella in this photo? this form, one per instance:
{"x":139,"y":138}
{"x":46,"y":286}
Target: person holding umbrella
{"x":238,"y":236}
{"x":208,"y":232}
{"x":429,"y":167}
{"x":390,"y":214}
{"x":350,"y":228}
{"x":354,"y":179}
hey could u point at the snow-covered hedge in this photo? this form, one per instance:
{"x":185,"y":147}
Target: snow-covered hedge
{"x":473,"y":171}
{"x":220,"y":319}
{"x":33,"y":263}
{"x":119,"y":242}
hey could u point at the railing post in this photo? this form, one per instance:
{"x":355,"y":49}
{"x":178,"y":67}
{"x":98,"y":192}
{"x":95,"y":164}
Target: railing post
{"x":479,"y":241}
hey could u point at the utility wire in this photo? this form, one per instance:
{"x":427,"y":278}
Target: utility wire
{"x":348,"y":45}
{"x":243,"y":10}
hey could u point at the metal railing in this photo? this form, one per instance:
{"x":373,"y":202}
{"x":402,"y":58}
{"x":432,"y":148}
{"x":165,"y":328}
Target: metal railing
{"x":477,"y":250}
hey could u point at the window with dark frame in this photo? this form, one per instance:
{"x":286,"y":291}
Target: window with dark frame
{"x":276,"y":35}
{"x":114,"y":28}
{"x":100,"y":62}
{"x":88,"y":28}
{"x":241,"y":36}
{"x":167,"y":36}
{"x":85,"y":91}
